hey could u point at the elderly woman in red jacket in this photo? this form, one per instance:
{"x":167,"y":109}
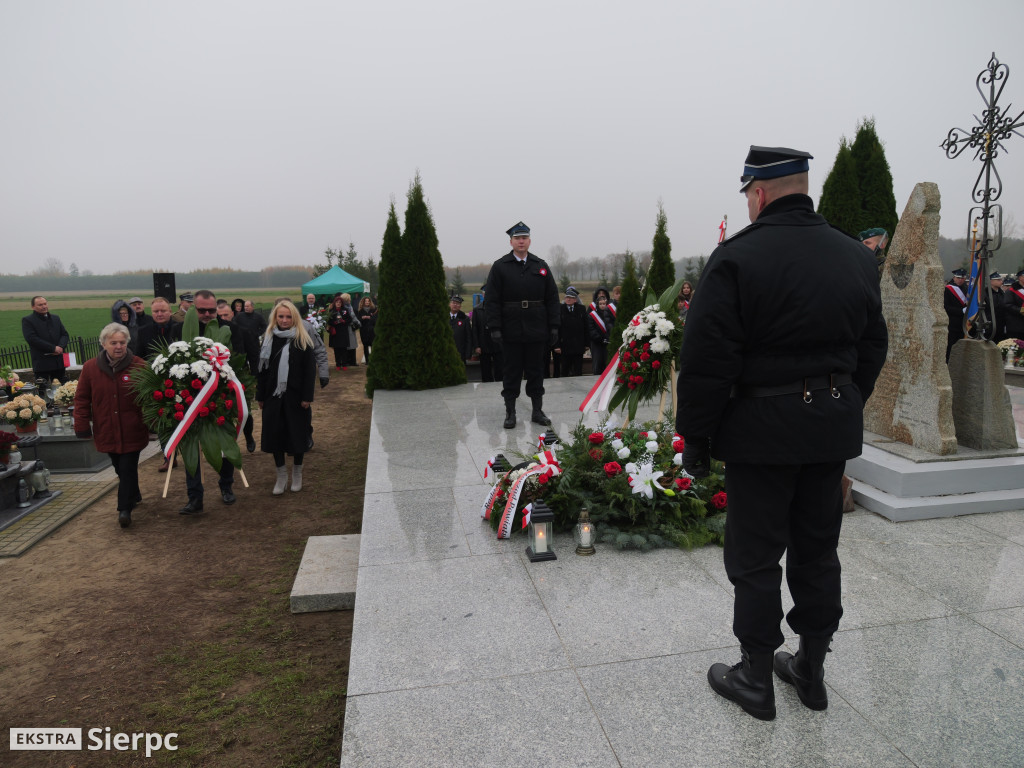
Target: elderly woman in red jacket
{"x":105,"y":398}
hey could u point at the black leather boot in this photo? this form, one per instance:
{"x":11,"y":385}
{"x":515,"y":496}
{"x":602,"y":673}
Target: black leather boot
{"x":538,"y":416}
{"x":510,"y":414}
{"x":124,"y":518}
{"x":748,"y":683}
{"x":806,"y":671}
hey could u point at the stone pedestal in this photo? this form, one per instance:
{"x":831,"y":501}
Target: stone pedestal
{"x":982,"y":413}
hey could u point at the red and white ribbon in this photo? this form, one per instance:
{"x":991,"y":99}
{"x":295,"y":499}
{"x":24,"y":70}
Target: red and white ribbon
{"x":600,"y":394}
{"x":492,"y":496}
{"x":489,"y":466}
{"x":599,"y":321}
{"x":527,"y":514}
{"x":218,"y":356}
{"x":509,"y":513}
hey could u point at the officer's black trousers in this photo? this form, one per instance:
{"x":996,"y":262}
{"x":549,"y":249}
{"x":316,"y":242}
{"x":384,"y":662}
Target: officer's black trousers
{"x":519,"y":359}
{"x":796,"y":509}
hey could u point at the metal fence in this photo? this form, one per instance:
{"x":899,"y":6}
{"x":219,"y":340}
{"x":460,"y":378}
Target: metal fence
{"x":20,"y":356}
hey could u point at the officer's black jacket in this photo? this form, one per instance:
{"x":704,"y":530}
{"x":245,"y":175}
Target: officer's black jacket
{"x":786,"y":298}
{"x":572,"y":337}
{"x":1014,"y":319}
{"x":508,"y":283}
{"x":462,"y":331}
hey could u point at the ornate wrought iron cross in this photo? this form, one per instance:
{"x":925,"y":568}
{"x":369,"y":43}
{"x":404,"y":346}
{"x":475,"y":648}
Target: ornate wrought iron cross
{"x":994,"y":127}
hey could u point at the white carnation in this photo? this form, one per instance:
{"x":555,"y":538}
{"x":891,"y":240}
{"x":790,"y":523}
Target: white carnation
{"x":631,"y":467}
{"x":643,"y":330}
{"x":201,"y":369}
{"x":179,"y":371}
{"x":616,"y":444}
{"x":659,"y":345}
{"x":664,"y":327}
{"x":652,"y":446}
{"x":177,"y":346}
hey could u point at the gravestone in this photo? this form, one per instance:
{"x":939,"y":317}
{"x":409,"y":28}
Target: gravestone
{"x":913,"y":397}
{"x":982,"y":411}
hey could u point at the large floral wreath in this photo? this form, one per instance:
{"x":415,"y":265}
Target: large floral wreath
{"x":193,"y":398}
{"x":632,"y":482}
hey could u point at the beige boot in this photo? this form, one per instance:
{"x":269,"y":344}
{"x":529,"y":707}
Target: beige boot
{"x":296,"y":477}
{"x":282,"y":480}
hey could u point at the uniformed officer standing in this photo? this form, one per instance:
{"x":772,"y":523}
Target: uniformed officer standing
{"x":462,"y":331}
{"x":1014,"y":304}
{"x":523,"y":315}
{"x":954,"y":301}
{"x":773,"y":376}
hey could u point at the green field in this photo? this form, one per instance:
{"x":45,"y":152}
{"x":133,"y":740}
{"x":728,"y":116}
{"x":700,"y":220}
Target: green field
{"x":85,"y":314}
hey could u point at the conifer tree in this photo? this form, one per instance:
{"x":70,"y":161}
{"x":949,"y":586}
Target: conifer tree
{"x":385,"y":367}
{"x":662,"y":273}
{"x":877,"y":201}
{"x":840,"y":200}
{"x":630,"y":302}
{"x":432,"y":359}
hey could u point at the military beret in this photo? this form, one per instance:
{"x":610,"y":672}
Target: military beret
{"x":518,"y":229}
{"x":1020,"y":273}
{"x":773,"y":163}
{"x":876,"y":232}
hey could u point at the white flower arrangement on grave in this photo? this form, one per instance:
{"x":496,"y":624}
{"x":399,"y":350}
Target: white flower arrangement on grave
{"x":1012,"y":348}
{"x":65,"y":394}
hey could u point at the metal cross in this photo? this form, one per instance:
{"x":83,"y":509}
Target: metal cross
{"x":994,"y":127}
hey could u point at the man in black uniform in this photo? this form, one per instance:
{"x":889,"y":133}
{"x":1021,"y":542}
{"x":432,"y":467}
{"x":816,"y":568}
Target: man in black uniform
{"x":1014,"y":305}
{"x":491,"y":363}
{"x":876,"y":239}
{"x":997,"y":309}
{"x":954,"y":301}
{"x":773,"y":375}
{"x":572,"y":338}
{"x":523,"y":315}
{"x":461,"y":329}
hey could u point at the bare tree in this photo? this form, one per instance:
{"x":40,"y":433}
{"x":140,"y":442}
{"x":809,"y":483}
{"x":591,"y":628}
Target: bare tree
{"x":52,"y":267}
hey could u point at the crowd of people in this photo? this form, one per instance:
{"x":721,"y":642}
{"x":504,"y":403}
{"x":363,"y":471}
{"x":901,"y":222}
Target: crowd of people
{"x":1003,"y":310}
{"x":286,"y":355}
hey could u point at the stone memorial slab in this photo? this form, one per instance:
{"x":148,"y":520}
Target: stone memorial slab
{"x":326,"y":580}
{"x":913,"y":398}
{"x":982,"y":412}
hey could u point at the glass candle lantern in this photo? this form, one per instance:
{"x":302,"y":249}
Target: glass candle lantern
{"x":584,"y":534}
{"x":541,"y":525}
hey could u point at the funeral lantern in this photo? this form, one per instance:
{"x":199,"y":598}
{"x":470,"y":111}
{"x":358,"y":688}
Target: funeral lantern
{"x":541,"y":523}
{"x":585,"y":534}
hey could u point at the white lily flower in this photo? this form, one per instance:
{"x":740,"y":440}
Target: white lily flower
{"x":643,"y":480}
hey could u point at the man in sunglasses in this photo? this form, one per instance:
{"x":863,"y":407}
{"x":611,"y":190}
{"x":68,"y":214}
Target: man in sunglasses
{"x":241,"y":343}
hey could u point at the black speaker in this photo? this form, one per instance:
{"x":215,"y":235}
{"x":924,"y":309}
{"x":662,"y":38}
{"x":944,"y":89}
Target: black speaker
{"x":163,"y":285}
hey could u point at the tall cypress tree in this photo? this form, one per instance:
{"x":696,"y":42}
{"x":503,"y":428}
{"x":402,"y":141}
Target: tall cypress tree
{"x":630,"y":302}
{"x":840,"y":196}
{"x":385,"y":370}
{"x":877,"y":201}
{"x":432,"y":361}
{"x":662,"y":273}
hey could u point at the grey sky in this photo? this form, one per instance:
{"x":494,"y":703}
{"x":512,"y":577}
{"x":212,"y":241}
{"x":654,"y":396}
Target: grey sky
{"x":153,"y":135}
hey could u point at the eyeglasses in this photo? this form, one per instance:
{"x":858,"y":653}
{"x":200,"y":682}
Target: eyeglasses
{"x":201,"y":311}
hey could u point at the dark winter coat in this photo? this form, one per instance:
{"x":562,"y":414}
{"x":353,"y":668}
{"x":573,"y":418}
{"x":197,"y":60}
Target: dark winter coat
{"x":367,"y":321}
{"x":43,"y":334}
{"x":762,"y":318}
{"x":242,"y":343}
{"x":462,"y":332}
{"x":572,"y":334}
{"x":341,"y":327}
{"x":154,"y":335}
{"x":1014,"y":319}
{"x":597,"y":334}
{"x":286,"y":425}
{"x":132,"y":324}
{"x":482,"y":331}
{"x":954,"y":311}
{"x":105,"y":397}
{"x":252,"y":321}
{"x":509,"y":285}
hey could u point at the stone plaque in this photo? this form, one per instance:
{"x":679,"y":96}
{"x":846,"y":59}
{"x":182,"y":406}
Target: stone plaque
{"x":982,"y":411}
{"x":913,"y":397}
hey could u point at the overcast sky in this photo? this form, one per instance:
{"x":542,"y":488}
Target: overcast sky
{"x":136,"y":134}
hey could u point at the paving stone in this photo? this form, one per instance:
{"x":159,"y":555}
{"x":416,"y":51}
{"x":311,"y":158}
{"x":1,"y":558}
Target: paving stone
{"x":326,"y":580}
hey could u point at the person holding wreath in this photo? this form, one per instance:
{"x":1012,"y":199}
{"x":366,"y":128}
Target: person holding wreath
{"x":285,"y":383}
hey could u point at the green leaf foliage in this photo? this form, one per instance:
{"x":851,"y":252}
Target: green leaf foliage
{"x":840,"y":200}
{"x":385,"y":366}
{"x":662,"y":272}
{"x":630,"y":302}
{"x":877,"y":201}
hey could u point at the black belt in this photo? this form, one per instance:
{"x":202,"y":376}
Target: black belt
{"x":523,"y":304}
{"x":803,"y":387}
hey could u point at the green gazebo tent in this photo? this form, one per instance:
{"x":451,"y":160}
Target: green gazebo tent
{"x":335,"y":280}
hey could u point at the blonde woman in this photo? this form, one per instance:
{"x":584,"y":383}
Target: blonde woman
{"x":285,"y":384}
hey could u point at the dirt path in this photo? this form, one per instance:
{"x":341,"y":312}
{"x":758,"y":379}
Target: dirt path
{"x":181,"y":624}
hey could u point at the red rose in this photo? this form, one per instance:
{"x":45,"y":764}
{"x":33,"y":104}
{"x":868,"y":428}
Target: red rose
{"x":158,"y":395}
{"x":168,"y":383}
{"x":645,"y":356}
{"x":543,"y":479}
{"x":683,"y":483}
{"x":169,"y":393}
{"x":178,"y":415}
{"x":160,"y":412}
{"x":188,"y":400}
{"x":634,"y":365}
{"x":612,"y":468}
{"x":632,"y":344}
{"x":179,"y":407}
{"x":678,"y":445}
{"x":618,"y":435}
{"x":228,"y":404}
{"x":656,"y":364}
{"x":197,"y":384}
{"x":647,"y":347}
{"x":719,"y":500}
{"x":204,"y":412}
{"x":620,"y":380}
{"x":596,"y":454}
{"x":220,"y":421}
{"x":625,"y":356}
{"x":631,"y":385}
{"x":596,"y":438}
